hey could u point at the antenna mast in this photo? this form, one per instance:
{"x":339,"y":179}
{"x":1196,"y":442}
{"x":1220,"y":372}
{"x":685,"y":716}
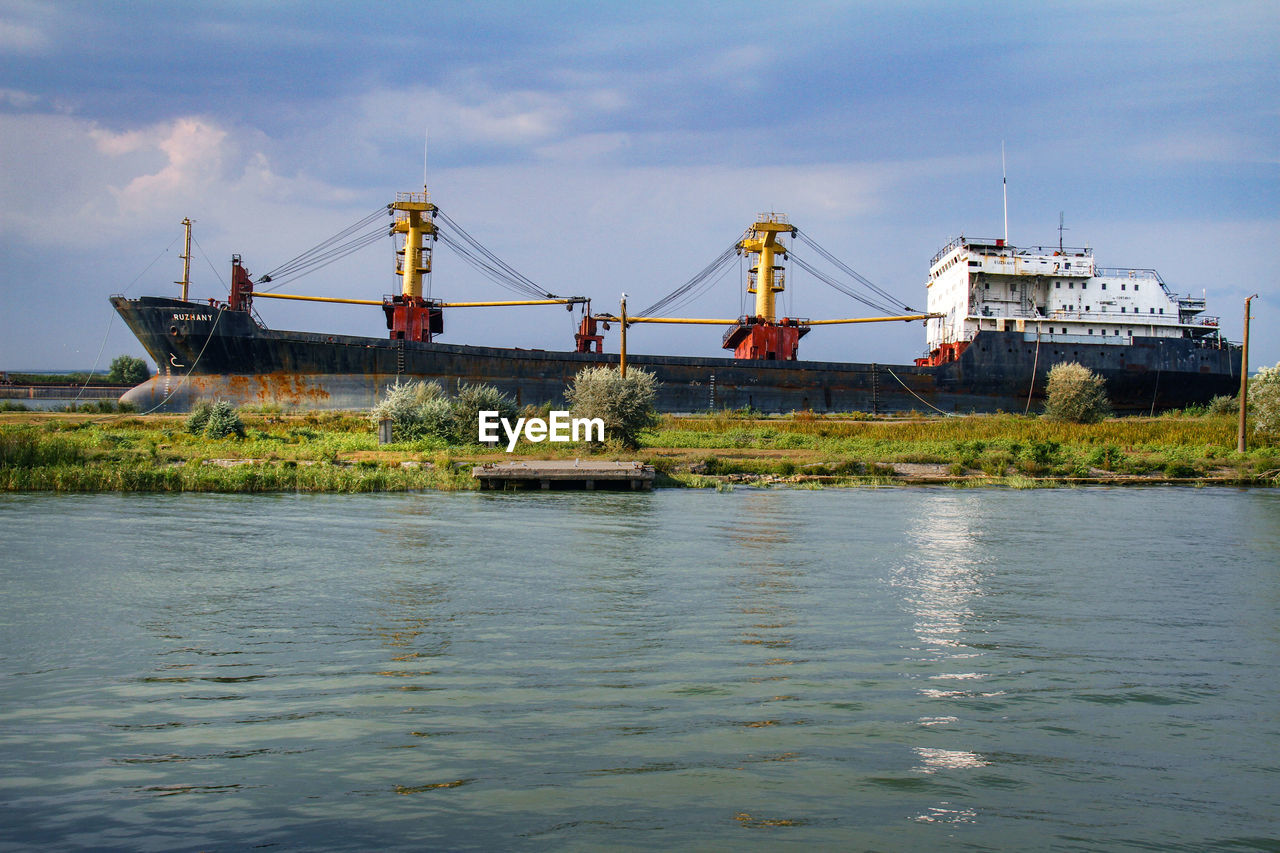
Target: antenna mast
{"x":1004,"y":181}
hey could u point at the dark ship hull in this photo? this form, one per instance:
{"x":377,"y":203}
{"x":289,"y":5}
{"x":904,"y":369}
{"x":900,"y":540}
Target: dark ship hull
{"x":209,"y":352}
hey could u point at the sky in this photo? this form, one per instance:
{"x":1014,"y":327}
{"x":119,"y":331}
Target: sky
{"x":602,"y":148}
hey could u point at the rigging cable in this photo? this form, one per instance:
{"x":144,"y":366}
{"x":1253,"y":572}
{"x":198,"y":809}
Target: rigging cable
{"x":498,"y":270}
{"x":892,"y":307}
{"x":899,"y":305}
{"x":917,"y":396}
{"x":694,"y":287}
{"x":216,"y":274}
{"x":112,"y":320}
{"x":328,"y":251}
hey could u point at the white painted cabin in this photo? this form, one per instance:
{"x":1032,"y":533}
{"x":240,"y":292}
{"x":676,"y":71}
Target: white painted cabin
{"x":1054,"y":294}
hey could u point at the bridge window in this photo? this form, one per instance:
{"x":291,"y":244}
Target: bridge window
{"x":1104,"y":285}
{"x":1122,"y":287}
{"x":1135,"y":288}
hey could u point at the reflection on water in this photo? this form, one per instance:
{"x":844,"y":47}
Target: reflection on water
{"x":939,"y":584}
{"x":943,"y":573}
{"x":863,"y":669}
{"x":765,"y":583}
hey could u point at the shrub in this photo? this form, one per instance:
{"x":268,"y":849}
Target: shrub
{"x":1180,"y":469}
{"x":198,"y":419}
{"x":223,"y":421}
{"x":1106,"y":457}
{"x":474,"y":399}
{"x":414,"y":411}
{"x":1076,"y":395}
{"x":625,"y":404}
{"x":1264,"y":399}
{"x":419,"y":410}
{"x":1224,"y":404}
{"x":435,"y":420}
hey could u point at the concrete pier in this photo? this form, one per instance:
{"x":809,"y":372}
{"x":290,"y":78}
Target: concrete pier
{"x":562,"y":474}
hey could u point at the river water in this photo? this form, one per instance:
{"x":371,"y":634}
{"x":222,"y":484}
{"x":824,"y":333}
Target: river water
{"x":863,"y":669}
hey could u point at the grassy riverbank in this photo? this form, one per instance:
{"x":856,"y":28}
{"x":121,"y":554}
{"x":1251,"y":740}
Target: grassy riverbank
{"x":338,"y":452}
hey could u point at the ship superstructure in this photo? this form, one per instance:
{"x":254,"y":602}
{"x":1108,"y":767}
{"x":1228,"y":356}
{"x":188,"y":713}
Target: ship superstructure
{"x":1051,"y":295}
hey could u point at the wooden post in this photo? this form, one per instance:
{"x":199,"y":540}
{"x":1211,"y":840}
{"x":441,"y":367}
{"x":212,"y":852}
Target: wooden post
{"x":1244,"y":378}
{"x":622,"y":361}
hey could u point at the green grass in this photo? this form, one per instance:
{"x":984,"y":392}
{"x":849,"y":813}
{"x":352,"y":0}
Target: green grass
{"x":338,"y":452}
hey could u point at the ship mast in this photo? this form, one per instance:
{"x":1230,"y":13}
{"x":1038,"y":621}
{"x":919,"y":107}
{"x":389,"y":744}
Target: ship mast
{"x":414,"y":220}
{"x":761,"y":240}
{"x":762,"y":335}
{"x":409,"y":315}
{"x":186,"y":261}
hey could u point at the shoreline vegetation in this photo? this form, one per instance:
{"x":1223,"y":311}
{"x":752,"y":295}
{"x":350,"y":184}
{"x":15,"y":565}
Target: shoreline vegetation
{"x":284,"y":451}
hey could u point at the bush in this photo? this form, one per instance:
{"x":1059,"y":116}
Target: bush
{"x":1076,"y":395}
{"x":474,"y":399}
{"x":128,"y":370}
{"x":223,"y":421}
{"x":214,"y":420}
{"x":1224,"y":404}
{"x":198,"y":419}
{"x":414,"y":411}
{"x":1264,"y":399}
{"x":626,"y":405}
{"x":419,"y":410}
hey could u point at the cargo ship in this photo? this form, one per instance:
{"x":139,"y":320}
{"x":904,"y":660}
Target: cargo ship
{"x":998,"y":318}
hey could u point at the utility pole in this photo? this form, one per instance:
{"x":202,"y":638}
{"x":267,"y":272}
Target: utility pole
{"x":1244,"y":377}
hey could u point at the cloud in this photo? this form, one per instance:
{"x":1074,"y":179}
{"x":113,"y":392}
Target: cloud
{"x":485,"y":117}
{"x":123,"y":184}
{"x":1206,"y":147}
{"x":194,"y":148}
{"x":21,"y":38}
{"x":18,"y":98}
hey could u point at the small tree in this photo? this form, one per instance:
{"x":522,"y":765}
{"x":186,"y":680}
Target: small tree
{"x":214,"y":420}
{"x":128,"y":370}
{"x":1264,"y":400}
{"x":1076,"y":394}
{"x":626,"y":405}
{"x":223,"y":421}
